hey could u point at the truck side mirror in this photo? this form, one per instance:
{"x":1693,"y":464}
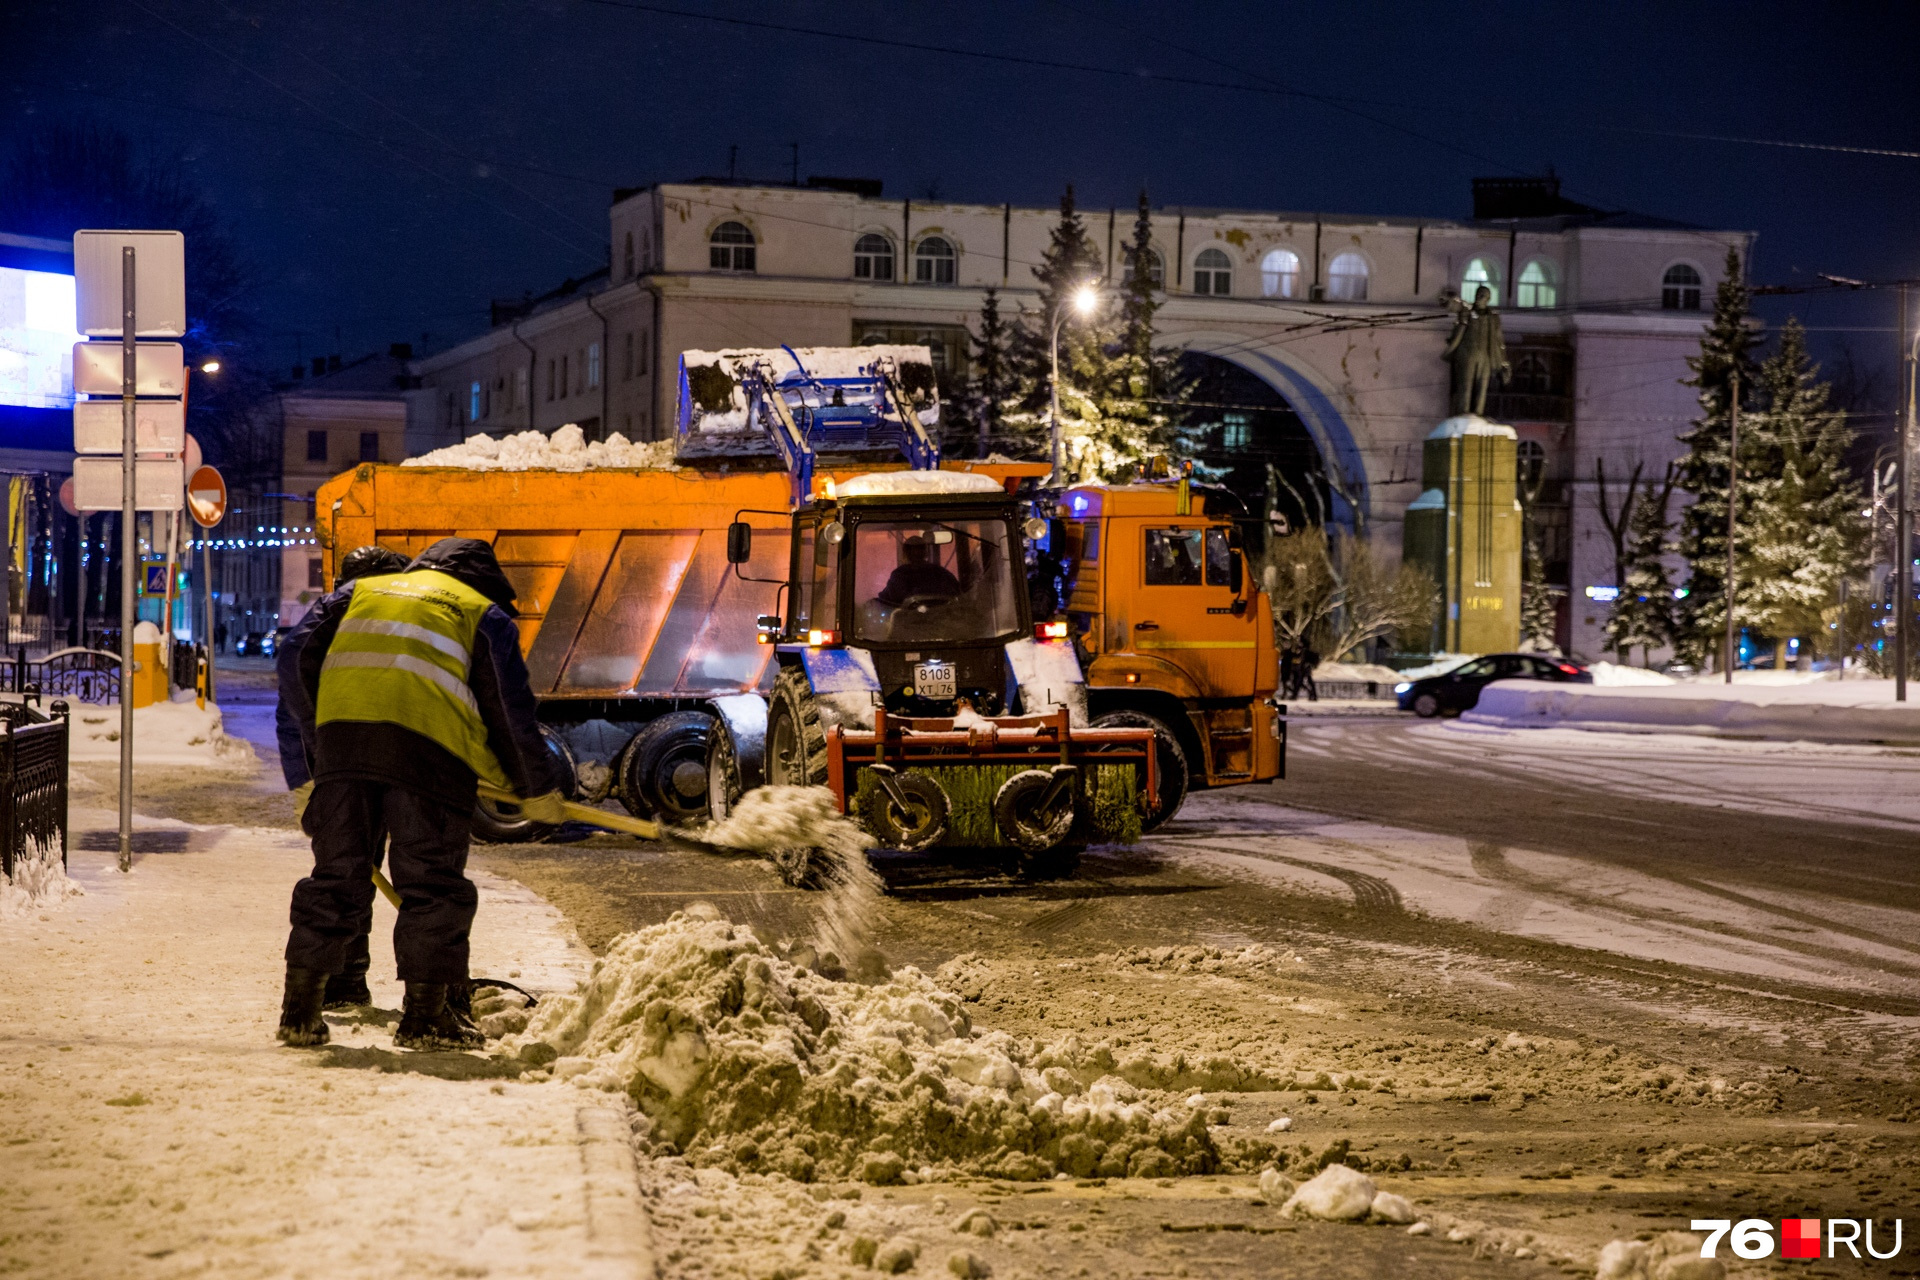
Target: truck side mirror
{"x":739,"y":542}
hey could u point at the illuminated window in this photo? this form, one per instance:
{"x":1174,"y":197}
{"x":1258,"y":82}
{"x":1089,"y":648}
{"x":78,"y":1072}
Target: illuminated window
{"x":473,"y":401}
{"x":1280,"y":274}
{"x":1347,"y":278}
{"x":873,"y":258}
{"x":1480,"y":274}
{"x":1213,"y":273}
{"x":593,"y":365}
{"x":731,"y":248}
{"x":1536,"y":286}
{"x":1530,"y":464}
{"x":1680,"y":288}
{"x":934,"y":262}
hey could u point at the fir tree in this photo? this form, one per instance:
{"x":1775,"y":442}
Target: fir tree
{"x":1642,"y":613}
{"x":1539,"y":601}
{"x":1725,"y":350}
{"x":981,"y":408}
{"x":1800,"y":529}
{"x":1138,"y":305}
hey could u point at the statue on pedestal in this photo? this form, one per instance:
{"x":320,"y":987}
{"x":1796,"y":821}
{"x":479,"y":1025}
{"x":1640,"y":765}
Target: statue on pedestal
{"x":1476,"y":350}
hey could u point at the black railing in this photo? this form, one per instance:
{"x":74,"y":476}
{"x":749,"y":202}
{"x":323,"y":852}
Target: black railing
{"x":83,"y":675}
{"x":33,"y":781}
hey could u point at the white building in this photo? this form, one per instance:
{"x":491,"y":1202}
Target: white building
{"x":1342,"y":317}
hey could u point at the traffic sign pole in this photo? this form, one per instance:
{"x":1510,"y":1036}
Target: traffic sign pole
{"x":129,"y":558}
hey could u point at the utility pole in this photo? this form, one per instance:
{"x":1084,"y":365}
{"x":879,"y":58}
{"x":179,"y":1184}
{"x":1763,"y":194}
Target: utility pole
{"x":1903,"y":519}
{"x":1733,"y":489}
{"x":129,"y":551}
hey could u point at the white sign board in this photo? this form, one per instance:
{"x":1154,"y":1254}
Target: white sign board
{"x":159,"y":426}
{"x":159,"y":282}
{"x":158,"y":483}
{"x":159,"y":369}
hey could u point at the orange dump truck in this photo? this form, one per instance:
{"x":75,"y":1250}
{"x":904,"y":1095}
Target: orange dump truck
{"x":1174,"y":633}
{"x":632,"y":619}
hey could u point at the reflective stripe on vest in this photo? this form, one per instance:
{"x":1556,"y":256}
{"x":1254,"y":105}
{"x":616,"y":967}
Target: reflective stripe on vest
{"x":401,"y":656}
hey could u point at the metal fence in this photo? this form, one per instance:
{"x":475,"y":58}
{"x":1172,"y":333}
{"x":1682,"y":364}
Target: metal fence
{"x":33,"y":781}
{"x":83,"y":675}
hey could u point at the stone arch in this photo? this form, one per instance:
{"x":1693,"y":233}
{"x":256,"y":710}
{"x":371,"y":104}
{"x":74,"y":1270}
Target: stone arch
{"x":1311,"y":399}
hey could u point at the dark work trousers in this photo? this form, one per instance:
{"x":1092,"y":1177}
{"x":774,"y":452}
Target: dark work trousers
{"x":426,"y":860}
{"x":359,"y":957}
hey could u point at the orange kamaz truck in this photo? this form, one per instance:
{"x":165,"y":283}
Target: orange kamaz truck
{"x":1174,"y":633}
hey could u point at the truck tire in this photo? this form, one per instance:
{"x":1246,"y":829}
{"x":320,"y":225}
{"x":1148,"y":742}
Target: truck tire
{"x":1170,"y":760}
{"x":796,"y":742}
{"x":723,"y":775}
{"x":496,"y":823}
{"x":663,"y":771}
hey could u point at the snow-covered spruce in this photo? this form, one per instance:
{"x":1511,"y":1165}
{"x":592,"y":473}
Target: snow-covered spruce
{"x":747,"y":1062}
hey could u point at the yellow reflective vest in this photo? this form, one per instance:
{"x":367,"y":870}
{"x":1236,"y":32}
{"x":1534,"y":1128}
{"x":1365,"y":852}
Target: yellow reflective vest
{"x":401,"y":656}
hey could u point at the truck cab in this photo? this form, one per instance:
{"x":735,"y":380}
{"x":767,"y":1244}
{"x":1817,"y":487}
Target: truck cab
{"x":1174,"y":632}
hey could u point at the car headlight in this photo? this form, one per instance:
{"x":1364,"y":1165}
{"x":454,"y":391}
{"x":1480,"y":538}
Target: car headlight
{"x":1403,"y":686}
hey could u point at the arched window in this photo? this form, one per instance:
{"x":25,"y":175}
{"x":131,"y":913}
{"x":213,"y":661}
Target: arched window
{"x":1213,"y":273}
{"x":1680,"y":288}
{"x":873,"y":258}
{"x":1536,"y":286}
{"x":934,"y":262}
{"x":730,"y":248}
{"x":1531,"y":374}
{"x":1347,"y":278}
{"x":1280,"y":274}
{"x":1480,"y":274}
{"x":1156,"y":267}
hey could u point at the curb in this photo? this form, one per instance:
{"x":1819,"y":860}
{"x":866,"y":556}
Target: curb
{"x":617,"y":1226}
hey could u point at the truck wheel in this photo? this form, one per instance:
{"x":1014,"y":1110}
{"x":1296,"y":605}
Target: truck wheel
{"x":924,"y":822}
{"x":1170,"y":760}
{"x":663,"y":771}
{"x":1017,"y":812}
{"x":723,"y":775}
{"x":796,"y":742}
{"x":497,"y":823}
{"x":1426,"y":706}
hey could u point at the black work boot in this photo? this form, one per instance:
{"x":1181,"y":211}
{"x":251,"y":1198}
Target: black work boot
{"x":426,"y":1021}
{"x":301,"y":1025}
{"x":460,"y":999}
{"x":346,"y":990}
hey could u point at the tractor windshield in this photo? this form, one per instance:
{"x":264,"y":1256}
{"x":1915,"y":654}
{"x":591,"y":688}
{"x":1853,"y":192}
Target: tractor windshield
{"x":933,"y":581}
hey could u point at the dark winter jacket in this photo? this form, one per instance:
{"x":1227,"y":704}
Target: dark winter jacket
{"x":378,"y":752}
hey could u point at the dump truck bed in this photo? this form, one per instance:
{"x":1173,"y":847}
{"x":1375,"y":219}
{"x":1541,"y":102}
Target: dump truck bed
{"x":623,"y":581}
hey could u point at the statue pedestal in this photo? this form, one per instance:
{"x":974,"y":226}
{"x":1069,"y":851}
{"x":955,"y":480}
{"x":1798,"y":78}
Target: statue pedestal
{"x":1464,"y":531}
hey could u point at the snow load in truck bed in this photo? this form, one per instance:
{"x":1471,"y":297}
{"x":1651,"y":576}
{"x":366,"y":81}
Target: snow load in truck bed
{"x":907,"y":483}
{"x":566,"y":450}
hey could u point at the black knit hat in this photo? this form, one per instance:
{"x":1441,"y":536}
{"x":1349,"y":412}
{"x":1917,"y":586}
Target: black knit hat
{"x":367,"y":562}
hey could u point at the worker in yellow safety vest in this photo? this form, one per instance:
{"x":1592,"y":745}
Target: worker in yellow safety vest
{"x":408,"y":689}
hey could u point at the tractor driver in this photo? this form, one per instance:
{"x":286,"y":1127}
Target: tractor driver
{"x":917,"y":575}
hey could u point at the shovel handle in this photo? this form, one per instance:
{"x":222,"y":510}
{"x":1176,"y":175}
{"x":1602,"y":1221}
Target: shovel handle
{"x":586,"y":814}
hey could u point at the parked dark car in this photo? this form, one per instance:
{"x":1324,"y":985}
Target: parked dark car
{"x":1451,"y":692}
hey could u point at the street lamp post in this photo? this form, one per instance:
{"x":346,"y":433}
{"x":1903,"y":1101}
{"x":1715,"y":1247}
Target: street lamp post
{"x":1085,"y":299}
{"x":1903,"y":521}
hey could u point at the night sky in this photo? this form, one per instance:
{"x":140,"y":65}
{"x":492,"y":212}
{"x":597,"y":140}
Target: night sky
{"x":389,"y":165}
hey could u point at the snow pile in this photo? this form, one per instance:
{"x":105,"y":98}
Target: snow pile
{"x":1613,"y":674}
{"x":745,"y":1061}
{"x":1852,"y":711}
{"x":166,"y":733}
{"x":882,"y":484}
{"x":821,"y":362}
{"x":38,"y":881}
{"x":1335,"y":1194}
{"x":566,"y":450}
{"x":1672,"y":1255}
{"x":1357,"y":673}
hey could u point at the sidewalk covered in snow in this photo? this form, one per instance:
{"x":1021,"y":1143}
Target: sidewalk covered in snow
{"x":1836,"y":711}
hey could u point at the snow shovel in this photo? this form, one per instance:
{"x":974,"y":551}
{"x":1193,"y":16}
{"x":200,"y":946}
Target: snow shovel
{"x":590,"y":816}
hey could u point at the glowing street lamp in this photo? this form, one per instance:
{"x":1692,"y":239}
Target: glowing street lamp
{"x":211,"y":366}
{"x":1085,"y":299}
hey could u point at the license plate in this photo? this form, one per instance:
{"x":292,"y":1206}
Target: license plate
{"x":934,"y":680}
